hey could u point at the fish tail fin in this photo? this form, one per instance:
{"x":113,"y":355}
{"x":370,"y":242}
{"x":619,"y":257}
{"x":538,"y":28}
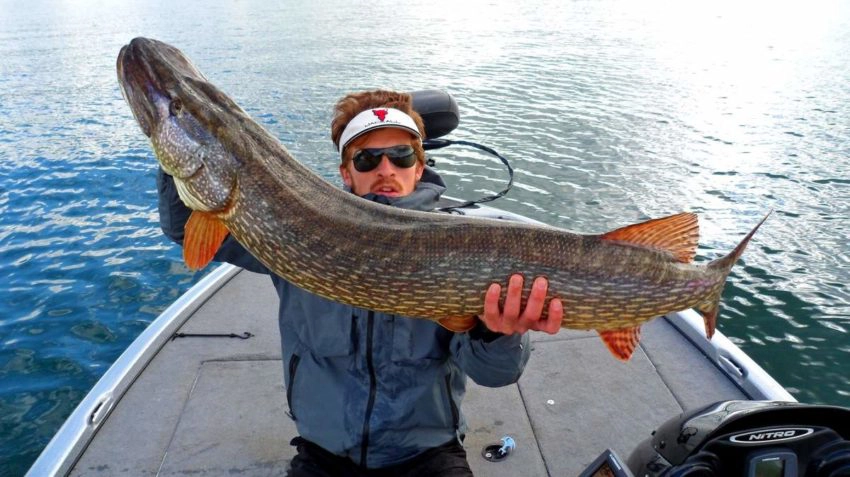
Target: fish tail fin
{"x":725,"y":263}
{"x":708,"y":310}
{"x":621,"y":342}
{"x":710,"y":307}
{"x":203,"y":237}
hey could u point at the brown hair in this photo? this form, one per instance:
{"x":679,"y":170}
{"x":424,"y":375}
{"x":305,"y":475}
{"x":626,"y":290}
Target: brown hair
{"x":354,"y":103}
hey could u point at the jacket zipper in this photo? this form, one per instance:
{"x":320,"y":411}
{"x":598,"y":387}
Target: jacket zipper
{"x":293,"y":368}
{"x":455,"y":412}
{"x":372,"y":388}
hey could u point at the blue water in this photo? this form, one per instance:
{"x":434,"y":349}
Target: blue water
{"x":611,"y":111}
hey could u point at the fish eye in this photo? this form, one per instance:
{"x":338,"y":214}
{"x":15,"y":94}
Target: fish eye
{"x":176,"y":107}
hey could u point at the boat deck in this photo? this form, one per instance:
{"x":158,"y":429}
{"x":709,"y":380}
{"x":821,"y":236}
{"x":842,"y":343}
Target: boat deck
{"x":216,"y":406}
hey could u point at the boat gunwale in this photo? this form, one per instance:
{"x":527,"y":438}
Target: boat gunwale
{"x":70,"y":441}
{"x":731,"y":360}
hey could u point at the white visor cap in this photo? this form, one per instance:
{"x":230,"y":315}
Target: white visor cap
{"x":377,"y":118}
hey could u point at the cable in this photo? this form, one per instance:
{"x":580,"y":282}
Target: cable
{"x":430,"y":144}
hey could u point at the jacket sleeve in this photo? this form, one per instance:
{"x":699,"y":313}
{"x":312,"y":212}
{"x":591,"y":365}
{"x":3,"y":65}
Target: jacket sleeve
{"x":491,"y":359}
{"x":173,"y":215}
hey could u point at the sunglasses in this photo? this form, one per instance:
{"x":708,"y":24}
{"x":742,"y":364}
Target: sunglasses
{"x":401,"y":156}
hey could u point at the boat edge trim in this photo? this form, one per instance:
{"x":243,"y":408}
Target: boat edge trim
{"x":68,"y":444}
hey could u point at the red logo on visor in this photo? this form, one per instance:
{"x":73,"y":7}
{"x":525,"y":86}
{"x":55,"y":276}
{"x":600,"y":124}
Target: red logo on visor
{"x":380,"y":113}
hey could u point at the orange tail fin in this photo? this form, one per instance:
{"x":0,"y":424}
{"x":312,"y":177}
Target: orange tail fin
{"x":709,"y":308}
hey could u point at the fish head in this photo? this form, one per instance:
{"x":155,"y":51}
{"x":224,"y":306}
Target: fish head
{"x":181,"y":113}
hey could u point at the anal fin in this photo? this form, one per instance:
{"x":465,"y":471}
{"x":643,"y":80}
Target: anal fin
{"x":204,"y":234}
{"x":621,"y":342}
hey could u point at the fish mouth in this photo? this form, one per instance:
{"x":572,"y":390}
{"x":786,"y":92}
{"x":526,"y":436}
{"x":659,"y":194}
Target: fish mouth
{"x":152,"y":73}
{"x":138,"y":84}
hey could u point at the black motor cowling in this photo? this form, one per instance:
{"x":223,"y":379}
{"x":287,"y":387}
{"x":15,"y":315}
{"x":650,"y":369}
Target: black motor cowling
{"x":749,"y":439}
{"x":439,"y":111}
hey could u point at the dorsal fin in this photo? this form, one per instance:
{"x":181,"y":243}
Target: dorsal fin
{"x":677,"y":234}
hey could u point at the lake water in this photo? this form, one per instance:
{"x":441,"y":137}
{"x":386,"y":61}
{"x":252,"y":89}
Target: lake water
{"x":611,"y":112}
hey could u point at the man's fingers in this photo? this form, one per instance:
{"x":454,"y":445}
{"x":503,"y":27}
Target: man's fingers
{"x":492,"y":312}
{"x":556,"y":314}
{"x":509,"y":317}
{"x":534,"y":306}
{"x":513,"y":298}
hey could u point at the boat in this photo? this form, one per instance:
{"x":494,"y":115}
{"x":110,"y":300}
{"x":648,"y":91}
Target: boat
{"x":201,"y":392}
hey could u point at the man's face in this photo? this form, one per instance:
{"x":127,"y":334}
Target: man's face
{"x":386,"y":179}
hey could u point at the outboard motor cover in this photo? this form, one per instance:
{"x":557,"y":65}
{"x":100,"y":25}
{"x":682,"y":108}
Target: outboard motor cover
{"x":439,"y":111}
{"x":749,"y":439}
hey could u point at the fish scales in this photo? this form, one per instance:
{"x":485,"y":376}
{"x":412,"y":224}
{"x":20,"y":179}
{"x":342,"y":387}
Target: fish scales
{"x":411,"y":263}
{"x":418,"y":267}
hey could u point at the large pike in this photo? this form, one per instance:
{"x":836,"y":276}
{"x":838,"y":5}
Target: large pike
{"x":239,"y":179}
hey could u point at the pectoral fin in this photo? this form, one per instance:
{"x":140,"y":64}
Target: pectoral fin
{"x":458,"y":324}
{"x":622,"y":342}
{"x":204,"y":234}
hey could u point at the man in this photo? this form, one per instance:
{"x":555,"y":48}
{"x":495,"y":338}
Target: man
{"x":371,"y":393}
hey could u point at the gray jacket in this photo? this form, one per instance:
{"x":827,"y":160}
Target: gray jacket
{"x":377,"y":388}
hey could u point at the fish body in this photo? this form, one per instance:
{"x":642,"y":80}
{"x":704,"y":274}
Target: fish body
{"x":241,"y":180}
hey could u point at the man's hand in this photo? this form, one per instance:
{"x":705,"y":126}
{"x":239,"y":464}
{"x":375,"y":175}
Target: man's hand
{"x":510,"y":319}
